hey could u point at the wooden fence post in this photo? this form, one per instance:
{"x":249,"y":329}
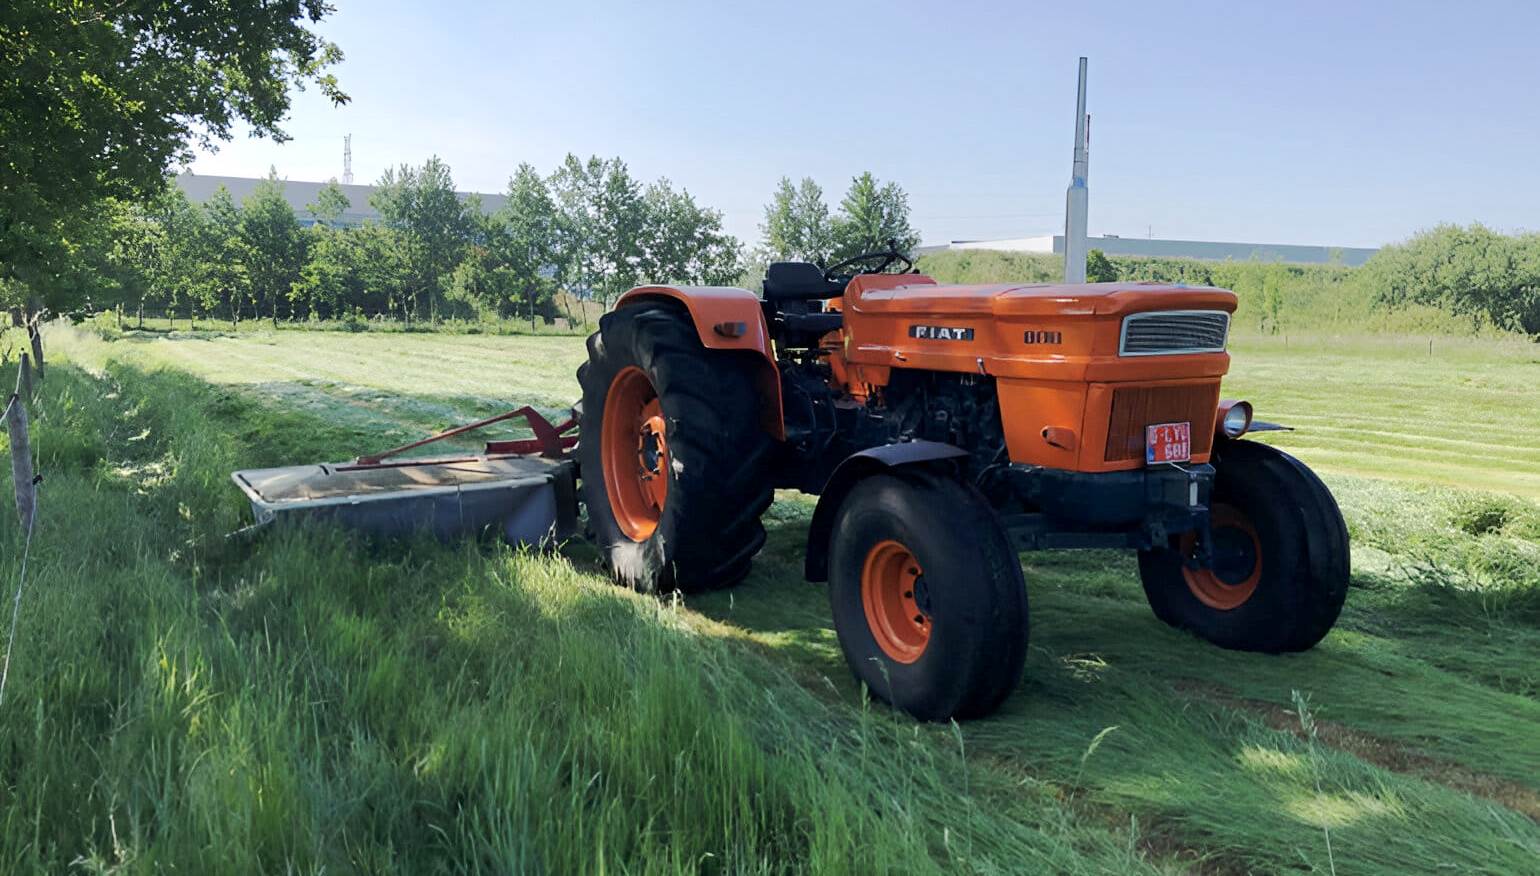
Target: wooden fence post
{"x":24,"y":377}
{"x":21,"y":454}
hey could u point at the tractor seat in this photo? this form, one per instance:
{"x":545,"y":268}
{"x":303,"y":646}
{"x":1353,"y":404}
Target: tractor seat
{"x":798,"y":281}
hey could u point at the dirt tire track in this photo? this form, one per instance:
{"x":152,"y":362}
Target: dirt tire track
{"x":1384,"y":753}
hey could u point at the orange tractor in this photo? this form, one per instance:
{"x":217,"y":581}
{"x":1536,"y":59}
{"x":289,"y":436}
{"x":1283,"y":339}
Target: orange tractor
{"x":945,"y":429}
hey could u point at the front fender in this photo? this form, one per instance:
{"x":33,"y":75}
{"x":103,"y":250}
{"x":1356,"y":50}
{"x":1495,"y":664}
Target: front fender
{"x":849,"y":473}
{"x":728,"y":318}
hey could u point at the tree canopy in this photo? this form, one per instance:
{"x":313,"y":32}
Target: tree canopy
{"x":798,"y":225}
{"x":871,"y":216}
{"x":1473,"y":271}
{"x":590,"y":228}
{"x":98,"y":99}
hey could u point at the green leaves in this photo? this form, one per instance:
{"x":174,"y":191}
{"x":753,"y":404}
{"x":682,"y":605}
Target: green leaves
{"x":798,"y":227}
{"x":421,"y":204}
{"x":99,"y":99}
{"x":872,"y":215}
{"x":1472,"y":271}
{"x":619,"y":234}
{"x":590,"y":227}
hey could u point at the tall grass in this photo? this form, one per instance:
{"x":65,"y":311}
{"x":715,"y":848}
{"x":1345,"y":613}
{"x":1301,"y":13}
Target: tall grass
{"x":308,"y":701}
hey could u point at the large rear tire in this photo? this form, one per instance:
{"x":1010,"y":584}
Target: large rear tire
{"x":674,"y":459}
{"x":927,"y":594}
{"x":1281,"y":561}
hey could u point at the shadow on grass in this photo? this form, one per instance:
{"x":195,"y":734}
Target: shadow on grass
{"x":301,"y":699}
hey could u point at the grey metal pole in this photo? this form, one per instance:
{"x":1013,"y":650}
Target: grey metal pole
{"x":1077,"y":199}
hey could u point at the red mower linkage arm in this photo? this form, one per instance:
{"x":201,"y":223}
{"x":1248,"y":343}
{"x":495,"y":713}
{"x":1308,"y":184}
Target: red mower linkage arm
{"x":550,"y":440}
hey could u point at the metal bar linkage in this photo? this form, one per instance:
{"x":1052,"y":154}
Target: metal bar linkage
{"x":549,"y":439}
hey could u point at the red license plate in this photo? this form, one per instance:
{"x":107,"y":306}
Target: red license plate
{"x":1168,"y":442}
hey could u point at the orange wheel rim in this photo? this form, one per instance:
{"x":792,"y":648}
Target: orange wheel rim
{"x":896,"y":605}
{"x":1237,"y":560}
{"x":633,"y":448}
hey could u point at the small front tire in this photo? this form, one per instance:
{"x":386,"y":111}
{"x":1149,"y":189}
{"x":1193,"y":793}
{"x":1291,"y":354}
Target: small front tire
{"x":927,"y":594}
{"x":1280,"y":567}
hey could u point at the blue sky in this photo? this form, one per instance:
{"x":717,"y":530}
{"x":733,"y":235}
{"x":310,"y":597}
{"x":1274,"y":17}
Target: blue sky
{"x":1348,"y":124}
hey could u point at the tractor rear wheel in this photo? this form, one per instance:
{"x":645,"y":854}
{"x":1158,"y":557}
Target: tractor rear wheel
{"x":927,"y":595}
{"x":674,"y":460}
{"x":1279,"y":570}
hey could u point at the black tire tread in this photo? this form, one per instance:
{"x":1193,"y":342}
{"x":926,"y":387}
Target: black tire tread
{"x":712,"y":515}
{"x":986,"y":666}
{"x":1316,"y":586}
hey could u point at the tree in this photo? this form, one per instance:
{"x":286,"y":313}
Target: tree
{"x":382,"y":274}
{"x":683,"y":242}
{"x":797,"y":225}
{"x":276,"y":245}
{"x":1099,"y":268}
{"x":602,"y":210}
{"x":531,"y":245}
{"x":229,"y":253}
{"x":871,"y":216}
{"x":323,"y":282}
{"x":330,"y":204}
{"x":187,"y":255}
{"x":421,"y":204}
{"x":1472,"y":271}
{"x":98,"y":99}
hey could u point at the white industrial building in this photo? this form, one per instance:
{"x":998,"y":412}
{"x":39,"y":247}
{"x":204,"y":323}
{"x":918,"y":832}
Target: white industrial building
{"x":301,"y":194}
{"x":1211,"y":250}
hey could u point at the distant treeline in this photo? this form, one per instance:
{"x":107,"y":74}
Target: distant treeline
{"x":1452,"y":278}
{"x":584,"y":233}
{"x":589,"y":225}
{"x":588,"y":231}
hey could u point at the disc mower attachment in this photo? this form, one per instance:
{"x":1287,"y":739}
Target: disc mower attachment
{"x":525,"y":489}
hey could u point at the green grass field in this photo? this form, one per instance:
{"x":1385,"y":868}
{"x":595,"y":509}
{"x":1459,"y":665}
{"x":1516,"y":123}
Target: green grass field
{"x":184,"y":701}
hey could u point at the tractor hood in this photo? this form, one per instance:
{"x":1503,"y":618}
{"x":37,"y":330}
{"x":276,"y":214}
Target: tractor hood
{"x":1047,"y":331}
{"x":922,"y":296}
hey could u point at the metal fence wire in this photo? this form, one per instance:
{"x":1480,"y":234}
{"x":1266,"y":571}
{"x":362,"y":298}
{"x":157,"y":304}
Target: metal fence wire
{"x":26,"y":483}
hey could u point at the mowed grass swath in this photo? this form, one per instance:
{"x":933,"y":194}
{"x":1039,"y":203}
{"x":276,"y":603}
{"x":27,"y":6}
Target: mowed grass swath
{"x":312,"y":702}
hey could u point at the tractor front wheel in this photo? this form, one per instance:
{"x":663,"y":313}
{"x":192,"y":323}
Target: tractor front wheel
{"x":674,"y":460}
{"x":1276,"y":573}
{"x":927,"y":593}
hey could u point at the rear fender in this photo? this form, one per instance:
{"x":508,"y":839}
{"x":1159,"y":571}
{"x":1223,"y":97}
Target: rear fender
{"x":728,"y":318}
{"x":852,"y":471}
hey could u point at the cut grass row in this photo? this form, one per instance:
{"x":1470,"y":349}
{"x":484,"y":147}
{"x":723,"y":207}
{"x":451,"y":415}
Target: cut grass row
{"x":183,"y":702}
{"x":1468,"y":416}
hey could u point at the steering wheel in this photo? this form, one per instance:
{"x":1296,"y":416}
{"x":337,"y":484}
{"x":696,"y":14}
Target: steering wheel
{"x":840,"y":273}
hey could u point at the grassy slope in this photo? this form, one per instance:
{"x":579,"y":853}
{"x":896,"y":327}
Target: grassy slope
{"x":319,"y":704}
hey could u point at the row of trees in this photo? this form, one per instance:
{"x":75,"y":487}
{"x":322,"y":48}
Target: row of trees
{"x":104,"y":98}
{"x":589,"y":226}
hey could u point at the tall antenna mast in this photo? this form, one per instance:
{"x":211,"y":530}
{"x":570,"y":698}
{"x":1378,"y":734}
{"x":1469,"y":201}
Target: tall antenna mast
{"x":347,"y":159}
{"x":1077,"y":199}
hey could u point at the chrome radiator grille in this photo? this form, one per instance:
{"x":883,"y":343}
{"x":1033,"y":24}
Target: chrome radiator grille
{"x":1166,"y":332}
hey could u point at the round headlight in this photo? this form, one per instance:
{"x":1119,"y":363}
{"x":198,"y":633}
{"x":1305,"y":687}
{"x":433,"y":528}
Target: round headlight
{"x":1237,"y":419}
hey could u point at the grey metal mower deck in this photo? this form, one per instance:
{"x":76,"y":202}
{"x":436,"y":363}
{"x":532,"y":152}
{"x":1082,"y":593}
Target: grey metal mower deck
{"x":529,"y":499}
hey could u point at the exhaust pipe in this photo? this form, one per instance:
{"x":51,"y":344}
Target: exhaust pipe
{"x":1077,"y":199}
